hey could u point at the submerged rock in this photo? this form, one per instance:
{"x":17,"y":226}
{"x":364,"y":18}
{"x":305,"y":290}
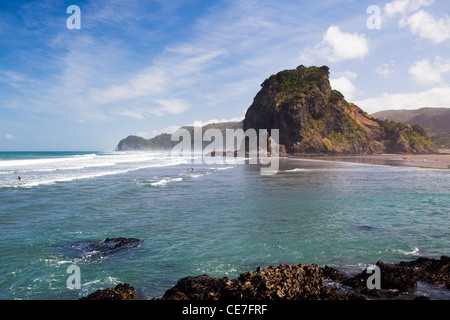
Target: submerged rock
{"x":113,"y":243}
{"x":88,"y":250}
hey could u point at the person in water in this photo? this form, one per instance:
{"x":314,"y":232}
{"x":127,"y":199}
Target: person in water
{"x":19,"y":178}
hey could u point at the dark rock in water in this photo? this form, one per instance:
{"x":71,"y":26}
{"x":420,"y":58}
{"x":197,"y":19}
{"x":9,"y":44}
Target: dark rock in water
{"x":120,"y":292}
{"x":365,"y":228}
{"x":333,"y":274}
{"x":394,"y":279}
{"x":196,"y":288}
{"x":296,"y":282}
{"x":335,"y":294}
{"x":286,"y":282}
{"x":96,"y":249}
{"x":429,"y":270}
{"x":283,"y":282}
{"x":110,"y":244}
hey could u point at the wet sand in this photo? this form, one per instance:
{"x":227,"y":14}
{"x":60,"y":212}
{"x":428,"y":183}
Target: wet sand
{"x":432,"y":161}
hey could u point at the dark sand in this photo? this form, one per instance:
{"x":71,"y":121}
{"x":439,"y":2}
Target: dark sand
{"x":433,"y":161}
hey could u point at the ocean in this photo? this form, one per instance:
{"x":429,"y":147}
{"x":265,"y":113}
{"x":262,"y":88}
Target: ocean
{"x":218,"y":219}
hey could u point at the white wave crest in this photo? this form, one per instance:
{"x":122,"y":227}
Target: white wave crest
{"x":165,"y":181}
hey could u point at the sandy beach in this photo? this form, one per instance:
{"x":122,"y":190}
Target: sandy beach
{"x":432,"y":161}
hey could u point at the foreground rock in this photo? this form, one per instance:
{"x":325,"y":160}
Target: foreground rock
{"x":433,"y":271}
{"x":120,"y":292}
{"x":301,"y":282}
{"x":283,"y":282}
{"x":397,"y":279}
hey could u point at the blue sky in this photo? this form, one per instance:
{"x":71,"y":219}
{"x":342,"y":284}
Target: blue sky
{"x":143,"y":67}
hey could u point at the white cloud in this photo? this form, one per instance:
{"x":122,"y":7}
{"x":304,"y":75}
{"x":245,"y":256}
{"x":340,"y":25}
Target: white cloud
{"x":420,"y":22}
{"x":425,"y":72}
{"x":385,"y":69}
{"x":238,"y":119}
{"x":438,"y":97}
{"x":424,"y":25}
{"x":156,"y":79}
{"x":151,"y":81}
{"x":345,"y":45}
{"x":9,"y":136}
{"x":403,"y":7}
{"x":344,"y":85}
{"x":172,"y":129}
{"x":169,"y":130}
{"x":172,"y":106}
{"x":347,"y":74}
{"x":133,"y":113}
{"x":161,"y":107}
{"x":337,"y":46}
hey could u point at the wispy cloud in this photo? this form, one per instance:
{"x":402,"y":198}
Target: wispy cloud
{"x":385,"y":69}
{"x":403,"y":7}
{"x":438,"y":97}
{"x":426,"y":26}
{"x":421,"y":22}
{"x":143,"y":65}
{"x":9,"y":136}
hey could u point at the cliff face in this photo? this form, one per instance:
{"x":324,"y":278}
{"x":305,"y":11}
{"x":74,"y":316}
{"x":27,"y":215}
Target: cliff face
{"x":313,"y":118}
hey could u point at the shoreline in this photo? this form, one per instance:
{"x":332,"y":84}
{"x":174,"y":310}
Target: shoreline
{"x":428,"y":161}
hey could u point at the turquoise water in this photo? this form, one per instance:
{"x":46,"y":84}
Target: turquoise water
{"x":221,"y":219}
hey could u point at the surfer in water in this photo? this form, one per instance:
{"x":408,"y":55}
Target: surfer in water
{"x":19,"y":178}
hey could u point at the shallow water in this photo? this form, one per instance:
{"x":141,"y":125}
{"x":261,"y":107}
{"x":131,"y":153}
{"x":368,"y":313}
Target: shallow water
{"x":219,"y":219}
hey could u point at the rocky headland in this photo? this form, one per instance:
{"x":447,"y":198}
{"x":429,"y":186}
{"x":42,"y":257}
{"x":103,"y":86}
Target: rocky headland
{"x":312,"y":118}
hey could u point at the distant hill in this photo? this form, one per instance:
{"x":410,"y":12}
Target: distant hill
{"x":163,"y":141}
{"x":436,"y":121}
